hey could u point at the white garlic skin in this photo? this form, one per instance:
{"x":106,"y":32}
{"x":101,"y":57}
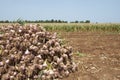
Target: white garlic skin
{"x":27,"y":52}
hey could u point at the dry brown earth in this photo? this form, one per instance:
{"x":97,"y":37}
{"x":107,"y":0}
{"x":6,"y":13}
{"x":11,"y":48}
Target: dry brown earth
{"x":99,"y":55}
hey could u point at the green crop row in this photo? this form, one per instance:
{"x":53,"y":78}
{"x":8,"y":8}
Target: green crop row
{"x":83,"y":27}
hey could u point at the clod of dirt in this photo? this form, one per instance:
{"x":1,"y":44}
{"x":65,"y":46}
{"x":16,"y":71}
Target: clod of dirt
{"x":30,"y":52}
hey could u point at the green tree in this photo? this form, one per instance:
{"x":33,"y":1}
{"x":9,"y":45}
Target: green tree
{"x":76,"y":21}
{"x":87,"y":21}
{"x":59,"y":21}
{"x":52,"y":20}
{"x":81,"y":21}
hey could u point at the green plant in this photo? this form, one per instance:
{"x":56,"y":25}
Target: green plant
{"x":80,"y":54}
{"x":21,"y":22}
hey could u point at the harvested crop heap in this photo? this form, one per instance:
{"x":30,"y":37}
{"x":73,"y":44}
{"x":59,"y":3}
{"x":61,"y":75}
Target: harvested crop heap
{"x":30,"y":52}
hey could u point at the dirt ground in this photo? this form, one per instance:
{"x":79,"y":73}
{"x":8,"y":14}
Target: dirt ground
{"x":98,"y":55}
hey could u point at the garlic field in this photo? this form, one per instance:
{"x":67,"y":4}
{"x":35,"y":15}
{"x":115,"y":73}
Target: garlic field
{"x":60,"y":51}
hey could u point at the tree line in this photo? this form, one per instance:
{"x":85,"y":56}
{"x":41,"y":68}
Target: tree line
{"x":86,"y":21}
{"x":43,"y":21}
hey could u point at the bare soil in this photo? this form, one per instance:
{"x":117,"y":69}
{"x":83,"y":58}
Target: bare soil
{"x":99,"y":55}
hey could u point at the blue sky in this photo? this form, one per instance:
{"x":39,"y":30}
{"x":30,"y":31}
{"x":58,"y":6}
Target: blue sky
{"x":70,"y":10}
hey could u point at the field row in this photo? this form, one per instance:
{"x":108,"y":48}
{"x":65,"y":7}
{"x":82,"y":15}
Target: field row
{"x":68,"y":27}
{"x":82,"y":27}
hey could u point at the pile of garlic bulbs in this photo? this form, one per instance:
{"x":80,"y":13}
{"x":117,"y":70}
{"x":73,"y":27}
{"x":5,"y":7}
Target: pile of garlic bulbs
{"x":30,"y":52}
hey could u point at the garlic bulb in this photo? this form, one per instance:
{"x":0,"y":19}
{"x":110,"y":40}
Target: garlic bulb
{"x":27,"y":52}
{"x":51,"y":72}
{"x":44,"y":64}
{"x":1,"y":63}
{"x":39,"y":56}
{"x":66,"y":73}
{"x":20,"y":31}
{"x":7,"y":61}
{"x":59,"y":60}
